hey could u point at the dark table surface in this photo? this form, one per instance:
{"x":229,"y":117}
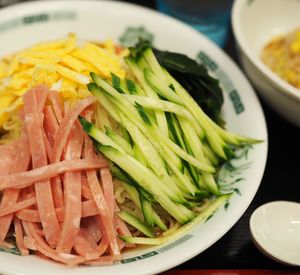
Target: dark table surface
{"x":280,"y":182}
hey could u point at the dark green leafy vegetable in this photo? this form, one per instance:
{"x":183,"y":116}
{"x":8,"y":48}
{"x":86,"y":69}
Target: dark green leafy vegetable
{"x":193,"y":76}
{"x":195,"y":79}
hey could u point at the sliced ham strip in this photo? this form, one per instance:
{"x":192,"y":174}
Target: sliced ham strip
{"x":6,"y":245}
{"x":85,"y":189}
{"x":55,"y":189}
{"x":47,"y":251}
{"x":20,"y":159}
{"x":108,"y":189}
{"x":82,"y":247}
{"x":88,"y":209}
{"x":17,"y":206}
{"x":65,"y":127}
{"x":41,"y":92}
{"x":72,"y":193}
{"x":91,"y":227}
{"x":29,"y":243}
{"x":51,"y":125}
{"x":8,"y":154}
{"x":43,"y":190}
{"x":24,"y":179}
{"x":55,"y":99}
{"x":101,"y":203}
{"x":48,"y":147}
{"x":20,"y":237}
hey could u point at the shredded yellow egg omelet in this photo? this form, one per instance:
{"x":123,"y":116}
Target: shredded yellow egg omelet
{"x":63,"y":65}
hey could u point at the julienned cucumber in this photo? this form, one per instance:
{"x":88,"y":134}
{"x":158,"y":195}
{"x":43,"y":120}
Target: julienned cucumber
{"x":168,"y":151}
{"x":135,"y":222}
{"x":147,"y":179}
{"x":202,"y":217}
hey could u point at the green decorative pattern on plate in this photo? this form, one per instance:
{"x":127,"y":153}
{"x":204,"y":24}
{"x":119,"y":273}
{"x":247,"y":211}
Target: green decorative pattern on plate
{"x":37,"y":18}
{"x":224,"y":80}
{"x":163,"y":249}
{"x":132,"y":35}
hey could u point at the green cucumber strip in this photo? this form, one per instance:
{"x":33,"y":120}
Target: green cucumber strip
{"x":201,"y":218}
{"x":101,"y":118}
{"x":139,"y":155}
{"x":135,"y":222}
{"x":135,"y":196}
{"x":133,"y":193}
{"x":154,"y":132}
{"x":154,"y":65}
{"x":152,"y":157}
{"x":178,"y":136}
{"x":127,"y":179}
{"x":184,"y":155}
{"x":124,"y":134}
{"x":216,"y":142}
{"x":193,"y":142}
{"x":191,"y":139}
{"x":164,"y":90}
{"x":131,"y":87}
{"x":166,"y":179}
{"x":138,"y":72}
{"x":158,"y":221}
{"x":186,"y":184}
{"x":166,"y":106}
{"x":142,"y":240}
{"x":209,"y":153}
{"x":174,"y":159}
{"x":97,"y":134}
{"x":208,"y":123}
{"x":143,"y":113}
{"x":103,"y":100}
{"x":123,"y":143}
{"x":116,"y":83}
{"x":176,"y":131}
{"x":146,"y":179}
{"x":211,"y":183}
{"x":147,"y":211}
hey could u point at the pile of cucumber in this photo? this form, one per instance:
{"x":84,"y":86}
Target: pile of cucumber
{"x":168,"y":150}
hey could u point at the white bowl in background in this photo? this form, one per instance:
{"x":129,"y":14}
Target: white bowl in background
{"x":255,"y":23}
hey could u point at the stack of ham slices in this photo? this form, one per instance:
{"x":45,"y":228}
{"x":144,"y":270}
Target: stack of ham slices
{"x":56,"y":192}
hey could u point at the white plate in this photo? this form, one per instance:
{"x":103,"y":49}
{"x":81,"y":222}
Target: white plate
{"x":28,"y":23}
{"x":275,"y":227}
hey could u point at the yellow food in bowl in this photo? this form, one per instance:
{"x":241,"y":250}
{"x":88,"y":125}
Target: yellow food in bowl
{"x":63,"y":65}
{"x":282,"y":56}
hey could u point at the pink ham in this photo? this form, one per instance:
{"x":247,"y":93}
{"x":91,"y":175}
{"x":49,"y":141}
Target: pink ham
{"x":51,"y":125}
{"x":106,"y":218}
{"x":17,"y":206}
{"x":55,"y":99}
{"x":24,"y":179}
{"x":43,"y":190}
{"x":88,"y":209}
{"x":18,"y":154}
{"x":72,"y":193}
{"x":65,"y":127}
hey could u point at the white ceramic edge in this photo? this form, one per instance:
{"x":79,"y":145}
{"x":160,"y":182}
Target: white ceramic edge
{"x":285,"y":87}
{"x":257,"y":239}
{"x":231,"y":66}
